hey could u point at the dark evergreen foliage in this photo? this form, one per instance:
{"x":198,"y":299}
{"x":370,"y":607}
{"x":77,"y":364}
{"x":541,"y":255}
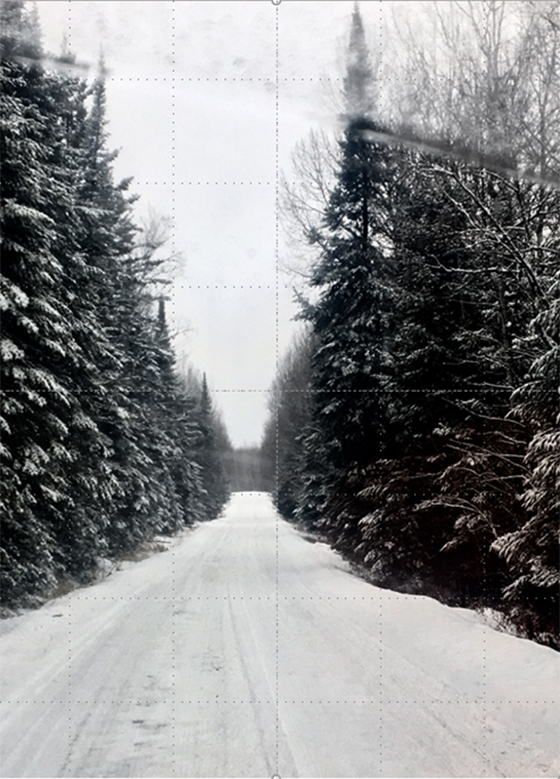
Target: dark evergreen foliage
{"x":102,"y":445}
{"x":210,"y":454}
{"x":348,"y":362}
{"x":287,"y":426}
{"x":430,"y":448}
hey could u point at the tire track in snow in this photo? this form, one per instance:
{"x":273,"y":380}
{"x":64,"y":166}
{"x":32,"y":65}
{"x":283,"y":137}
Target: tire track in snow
{"x":371,"y":683}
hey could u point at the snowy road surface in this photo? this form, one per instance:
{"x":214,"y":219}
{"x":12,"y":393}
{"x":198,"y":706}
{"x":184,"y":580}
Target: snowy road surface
{"x":245,"y":650}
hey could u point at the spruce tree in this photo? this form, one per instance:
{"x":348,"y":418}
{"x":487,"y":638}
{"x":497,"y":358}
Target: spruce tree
{"x":347,"y":428}
{"x":289,"y":417}
{"x":531,"y":550}
{"x":209,"y":457}
{"x":358,"y":85}
{"x":47,"y":326}
{"x":176,"y":413}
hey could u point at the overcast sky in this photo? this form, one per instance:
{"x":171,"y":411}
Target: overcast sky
{"x":205,"y":102}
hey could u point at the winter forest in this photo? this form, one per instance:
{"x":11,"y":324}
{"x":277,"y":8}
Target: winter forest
{"x":413,"y":423}
{"x":104,"y":443}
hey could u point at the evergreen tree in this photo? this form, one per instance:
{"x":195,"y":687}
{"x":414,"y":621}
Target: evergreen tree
{"x":289,"y":417}
{"x":347,"y":428}
{"x":358,"y":94}
{"x":179,"y":420}
{"x":444,"y":364}
{"x":33,"y":319}
{"x":531,"y":550}
{"x":47,"y":327}
{"x":209,"y":457}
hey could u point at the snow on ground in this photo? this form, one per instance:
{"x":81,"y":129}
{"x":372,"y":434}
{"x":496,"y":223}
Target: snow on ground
{"x":245,"y":650}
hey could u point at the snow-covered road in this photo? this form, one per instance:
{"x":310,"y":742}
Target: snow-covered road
{"x":245,"y":650}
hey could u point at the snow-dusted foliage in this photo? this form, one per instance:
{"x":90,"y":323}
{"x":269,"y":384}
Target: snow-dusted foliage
{"x":431,"y":449}
{"x":101,"y":445}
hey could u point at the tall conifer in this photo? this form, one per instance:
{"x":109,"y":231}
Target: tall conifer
{"x":347,"y":427}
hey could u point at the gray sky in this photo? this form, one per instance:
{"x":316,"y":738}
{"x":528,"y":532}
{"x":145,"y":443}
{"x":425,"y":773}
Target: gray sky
{"x":205,"y":122}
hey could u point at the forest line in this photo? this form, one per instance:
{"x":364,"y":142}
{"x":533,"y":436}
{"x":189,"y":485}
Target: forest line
{"x":414,"y":424}
{"x":104,"y":443}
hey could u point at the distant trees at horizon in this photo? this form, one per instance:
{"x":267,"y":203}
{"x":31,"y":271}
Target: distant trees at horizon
{"x":244,"y":468}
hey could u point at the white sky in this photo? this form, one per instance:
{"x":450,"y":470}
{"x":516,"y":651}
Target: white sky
{"x":192,"y":105}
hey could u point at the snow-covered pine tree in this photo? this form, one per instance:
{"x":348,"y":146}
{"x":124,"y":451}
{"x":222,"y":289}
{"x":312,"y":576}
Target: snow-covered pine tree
{"x":176,"y":411}
{"x":532,"y":550}
{"x":443,"y":361}
{"x":210,"y":455}
{"x":138,"y":387}
{"x":34,"y":402}
{"x":53,"y":445}
{"x":289,"y":417}
{"x":348,"y":320}
{"x":458,"y":306}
